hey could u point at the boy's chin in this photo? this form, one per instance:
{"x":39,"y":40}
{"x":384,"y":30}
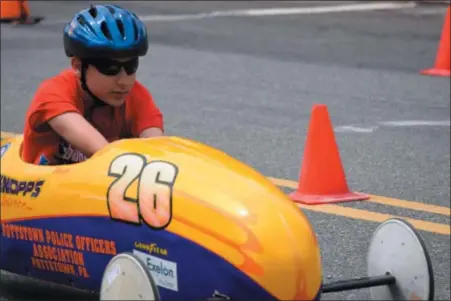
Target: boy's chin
{"x":116,"y":102}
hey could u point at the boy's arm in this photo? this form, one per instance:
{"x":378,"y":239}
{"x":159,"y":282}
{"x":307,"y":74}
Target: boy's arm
{"x":147,"y":119}
{"x":56,"y":105}
{"x":151,"y":132}
{"x":76,"y":130}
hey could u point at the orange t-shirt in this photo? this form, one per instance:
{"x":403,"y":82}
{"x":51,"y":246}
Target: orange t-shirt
{"x":62,"y":93}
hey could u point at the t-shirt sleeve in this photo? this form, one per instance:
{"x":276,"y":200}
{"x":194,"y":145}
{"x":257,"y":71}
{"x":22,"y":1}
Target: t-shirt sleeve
{"x":144,"y":112}
{"x":53,"y":98}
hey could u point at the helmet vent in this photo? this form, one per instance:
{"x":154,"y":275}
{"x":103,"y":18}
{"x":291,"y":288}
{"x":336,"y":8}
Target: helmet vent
{"x":111,"y":9}
{"x":105,"y":30}
{"x":120,"y":26}
{"x":93,"y":11}
{"x":135,"y":27}
{"x":82,"y":20}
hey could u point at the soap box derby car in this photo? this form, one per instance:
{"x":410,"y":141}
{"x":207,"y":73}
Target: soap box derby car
{"x":173,"y":219}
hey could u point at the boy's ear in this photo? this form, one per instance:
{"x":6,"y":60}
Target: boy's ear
{"x":76,"y":65}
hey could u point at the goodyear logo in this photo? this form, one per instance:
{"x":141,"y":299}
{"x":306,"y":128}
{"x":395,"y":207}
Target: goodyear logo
{"x":12,"y":186}
{"x":151,"y":248}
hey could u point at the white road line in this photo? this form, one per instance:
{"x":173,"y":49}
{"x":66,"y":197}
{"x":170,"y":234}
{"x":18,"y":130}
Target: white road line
{"x":407,"y":123}
{"x":270,"y":12}
{"x":354,"y":129}
{"x":396,"y":123}
{"x":320,"y":9}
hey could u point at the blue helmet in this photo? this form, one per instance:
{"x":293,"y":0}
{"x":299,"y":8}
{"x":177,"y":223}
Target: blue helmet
{"x":105,"y":31}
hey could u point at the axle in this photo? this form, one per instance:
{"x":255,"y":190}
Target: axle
{"x":352,"y":284}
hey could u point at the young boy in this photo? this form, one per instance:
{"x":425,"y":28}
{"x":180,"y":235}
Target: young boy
{"x":98,"y":100}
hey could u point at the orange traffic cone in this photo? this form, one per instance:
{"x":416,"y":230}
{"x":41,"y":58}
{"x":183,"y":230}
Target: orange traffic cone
{"x":17,"y":11}
{"x":442,"y":60}
{"x":322,"y":178}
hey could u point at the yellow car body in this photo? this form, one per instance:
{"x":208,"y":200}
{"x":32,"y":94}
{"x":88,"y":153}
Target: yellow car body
{"x":201,"y":220}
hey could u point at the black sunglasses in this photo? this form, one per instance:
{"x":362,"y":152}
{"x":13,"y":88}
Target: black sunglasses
{"x":111,"y":67}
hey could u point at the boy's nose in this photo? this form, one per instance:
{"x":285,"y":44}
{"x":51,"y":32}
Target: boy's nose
{"x":122,"y":78}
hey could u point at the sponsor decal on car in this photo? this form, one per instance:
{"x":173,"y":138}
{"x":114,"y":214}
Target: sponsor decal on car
{"x":13,"y":186}
{"x":163,"y":271}
{"x":151,"y":248}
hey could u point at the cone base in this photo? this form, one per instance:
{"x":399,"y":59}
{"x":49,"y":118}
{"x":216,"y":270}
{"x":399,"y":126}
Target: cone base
{"x":436,"y":72}
{"x":316,"y":199}
{"x":27,"y":21}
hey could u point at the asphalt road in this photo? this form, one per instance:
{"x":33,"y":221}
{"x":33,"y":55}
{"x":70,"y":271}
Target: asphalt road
{"x":247,"y":85}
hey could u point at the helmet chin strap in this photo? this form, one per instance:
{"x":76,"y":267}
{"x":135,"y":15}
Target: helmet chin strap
{"x":97,"y":102}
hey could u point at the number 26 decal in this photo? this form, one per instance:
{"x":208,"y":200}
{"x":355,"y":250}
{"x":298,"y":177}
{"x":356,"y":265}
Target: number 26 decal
{"x":153,"y":203}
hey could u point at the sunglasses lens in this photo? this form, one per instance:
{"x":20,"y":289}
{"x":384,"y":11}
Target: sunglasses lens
{"x":131,"y":66}
{"x":111,"y":67}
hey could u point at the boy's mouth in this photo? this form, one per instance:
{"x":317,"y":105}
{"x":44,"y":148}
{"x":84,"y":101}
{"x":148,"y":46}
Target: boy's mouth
{"x":120,"y":92}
